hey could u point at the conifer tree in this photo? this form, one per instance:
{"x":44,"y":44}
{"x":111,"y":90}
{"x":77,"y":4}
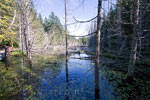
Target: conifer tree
{"x":7,"y":29}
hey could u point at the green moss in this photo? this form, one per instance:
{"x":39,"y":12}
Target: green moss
{"x":15,"y":53}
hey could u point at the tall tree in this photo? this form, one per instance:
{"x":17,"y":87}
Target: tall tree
{"x":66,"y":31}
{"x":133,"y":55}
{"x":52,"y":22}
{"x":98,"y":30}
{"x":40,"y":18}
{"x":25,"y":11}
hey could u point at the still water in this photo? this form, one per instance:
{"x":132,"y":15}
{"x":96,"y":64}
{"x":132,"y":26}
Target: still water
{"x":56,"y":79}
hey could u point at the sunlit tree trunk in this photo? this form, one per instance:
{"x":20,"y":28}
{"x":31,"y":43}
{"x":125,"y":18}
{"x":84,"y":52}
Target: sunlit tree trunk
{"x":67,"y":75}
{"x":28,"y":30}
{"x":20,"y":32}
{"x":66,"y":29}
{"x":13,"y":20}
{"x":25,"y":31}
{"x":98,"y":30}
{"x":23,"y":13}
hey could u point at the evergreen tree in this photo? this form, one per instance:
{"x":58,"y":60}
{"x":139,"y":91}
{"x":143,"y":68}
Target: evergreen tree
{"x":52,"y":22}
{"x":40,"y":18}
{"x":7,"y":34}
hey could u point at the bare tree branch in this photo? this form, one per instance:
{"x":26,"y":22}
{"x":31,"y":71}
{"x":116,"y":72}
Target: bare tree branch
{"x":13,"y":20}
{"x":83,"y":35}
{"x":84,"y":21}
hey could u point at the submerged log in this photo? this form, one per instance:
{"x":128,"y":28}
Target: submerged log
{"x":83,"y":58}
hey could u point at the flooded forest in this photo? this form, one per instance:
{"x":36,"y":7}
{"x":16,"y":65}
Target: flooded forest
{"x":74,"y":49}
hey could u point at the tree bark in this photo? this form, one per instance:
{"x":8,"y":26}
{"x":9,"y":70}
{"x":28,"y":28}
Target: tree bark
{"x":66,"y":26}
{"x":98,"y":31}
{"x":25,"y":26}
{"x":66,"y":35}
{"x":28,"y":31}
{"x":133,"y":55}
{"x":13,"y":20}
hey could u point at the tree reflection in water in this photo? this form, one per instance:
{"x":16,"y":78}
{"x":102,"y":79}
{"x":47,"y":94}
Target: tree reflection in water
{"x":67,"y":79}
{"x":97,"y":91}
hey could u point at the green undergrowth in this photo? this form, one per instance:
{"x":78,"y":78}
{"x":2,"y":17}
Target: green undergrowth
{"x":17,"y":77}
{"x":139,"y":62}
{"x":113,"y":56}
{"x":116,"y":74}
{"x":138,"y":90}
{"x":15,"y":53}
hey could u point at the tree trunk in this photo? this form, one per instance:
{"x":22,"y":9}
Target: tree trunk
{"x":13,"y":20}
{"x":66,"y":28}
{"x":25,"y":26}
{"x":132,"y":61}
{"x":67,"y":75}
{"x":98,"y":31}
{"x":28,"y":31}
{"x":20,"y":32}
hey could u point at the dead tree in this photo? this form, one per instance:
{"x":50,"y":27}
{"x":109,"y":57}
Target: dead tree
{"x":66,"y":30}
{"x":66,"y":35}
{"x":25,"y":33}
{"x":98,"y":30}
{"x":133,"y":55}
{"x":13,"y":20}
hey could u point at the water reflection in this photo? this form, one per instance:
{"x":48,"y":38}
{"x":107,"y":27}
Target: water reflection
{"x":56,"y":78}
{"x":30,"y":71}
{"x":97,"y":89}
{"x":6,"y":64}
{"x":62,"y":79}
{"x":67,"y":79}
{"x":22,"y":72}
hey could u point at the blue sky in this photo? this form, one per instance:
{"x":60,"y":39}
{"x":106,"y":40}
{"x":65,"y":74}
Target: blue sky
{"x":77,"y":9}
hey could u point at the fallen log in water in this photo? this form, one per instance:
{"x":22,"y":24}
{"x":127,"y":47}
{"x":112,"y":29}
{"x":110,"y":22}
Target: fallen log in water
{"x":83,"y":58}
{"x":86,"y":52}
